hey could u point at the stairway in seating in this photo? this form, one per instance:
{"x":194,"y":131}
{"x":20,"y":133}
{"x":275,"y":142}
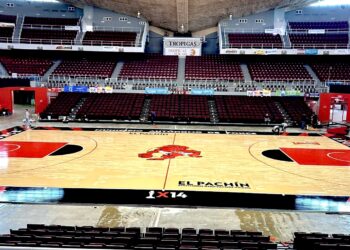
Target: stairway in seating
{"x":117,"y":70}
{"x":284,"y":113}
{"x":286,"y":41}
{"x":75,"y":110}
{"x":3,"y":71}
{"x":79,"y":38}
{"x":214,"y":118}
{"x":18,"y":29}
{"x":312,"y":73}
{"x":145,"y":109}
{"x":51,"y":69}
{"x":181,"y":71}
{"x":246,"y":73}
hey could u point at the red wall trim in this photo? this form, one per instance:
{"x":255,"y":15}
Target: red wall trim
{"x":41,"y":99}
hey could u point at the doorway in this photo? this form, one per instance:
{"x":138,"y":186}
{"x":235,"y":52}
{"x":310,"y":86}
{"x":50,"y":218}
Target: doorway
{"x":338,"y":110}
{"x":22,"y":100}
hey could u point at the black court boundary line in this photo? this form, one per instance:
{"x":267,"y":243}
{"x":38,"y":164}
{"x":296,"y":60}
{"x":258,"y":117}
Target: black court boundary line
{"x":171,"y":198}
{"x":166,"y":131}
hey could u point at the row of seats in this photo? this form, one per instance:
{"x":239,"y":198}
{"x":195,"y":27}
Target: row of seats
{"x":150,"y":238}
{"x":285,"y":71}
{"x":109,"y":38}
{"x":255,"y":40}
{"x":342,"y":25}
{"x":232,"y":109}
{"x":8,"y":19}
{"x":213,"y":67}
{"x":62,"y":105}
{"x":180,"y":108}
{"x":321,"y":241}
{"x":158,"y":66}
{"x":111,"y":106}
{"x":326,"y":41}
{"x":298,"y":36}
{"x":86,"y":67}
{"x":296,"y":108}
{"x":40,"y":36}
{"x":246,"y":109}
{"x":25,"y":66}
{"x":6,"y":33}
{"x":332,"y":71}
{"x":150,"y":66}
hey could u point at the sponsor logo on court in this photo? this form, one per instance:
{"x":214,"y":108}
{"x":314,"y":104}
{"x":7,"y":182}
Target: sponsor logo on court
{"x":170,"y":152}
{"x":152,"y":194}
{"x":218,"y":184}
{"x":306,"y":143}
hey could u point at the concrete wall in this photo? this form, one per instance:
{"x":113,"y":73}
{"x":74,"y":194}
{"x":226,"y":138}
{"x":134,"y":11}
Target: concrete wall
{"x":251,"y":24}
{"x":325,"y":13}
{"x":155,"y":43}
{"x":211,"y":44}
{"x":100,"y":15}
{"x":27,"y":8}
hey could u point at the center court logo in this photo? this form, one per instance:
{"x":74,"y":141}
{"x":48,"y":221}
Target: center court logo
{"x":170,"y":152}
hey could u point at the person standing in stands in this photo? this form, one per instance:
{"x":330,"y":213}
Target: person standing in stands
{"x":303,"y":121}
{"x":267,"y":119}
{"x":153,"y":116}
{"x":314,"y":120}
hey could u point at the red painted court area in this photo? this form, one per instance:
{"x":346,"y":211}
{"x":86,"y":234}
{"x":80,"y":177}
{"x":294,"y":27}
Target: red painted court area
{"x":28,"y":149}
{"x":320,"y":157}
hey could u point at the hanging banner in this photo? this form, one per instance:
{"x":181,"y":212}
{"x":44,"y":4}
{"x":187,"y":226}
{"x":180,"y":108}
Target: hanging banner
{"x":316,"y":31}
{"x":202,"y":91}
{"x":182,"y":46}
{"x":157,"y":91}
{"x":82,"y":89}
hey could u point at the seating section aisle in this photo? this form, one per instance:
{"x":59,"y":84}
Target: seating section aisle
{"x":62,"y":105}
{"x":332,"y":71}
{"x":109,"y":38}
{"x":180,"y":108}
{"x":26,"y":66}
{"x":239,"y":109}
{"x":213,"y":67}
{"x":254,"y":40}
{"x":295,"y":108}
{"x":112,"y":106}
{"x":101,"y":68}
{"x":136,"y":238}
{"x":150,"y":66}
{"x":278,"y":71}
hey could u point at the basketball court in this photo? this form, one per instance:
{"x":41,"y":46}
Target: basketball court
{"x":168,"y":167}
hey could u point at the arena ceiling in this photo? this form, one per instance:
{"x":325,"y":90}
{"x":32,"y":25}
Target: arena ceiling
{"x":188,"y":15}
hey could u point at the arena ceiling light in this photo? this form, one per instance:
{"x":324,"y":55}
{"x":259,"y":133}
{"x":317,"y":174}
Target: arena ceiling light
{"x":323,"y":3}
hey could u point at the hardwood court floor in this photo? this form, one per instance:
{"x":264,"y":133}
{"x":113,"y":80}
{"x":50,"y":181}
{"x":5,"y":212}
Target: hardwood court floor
{"x":212,"y":162}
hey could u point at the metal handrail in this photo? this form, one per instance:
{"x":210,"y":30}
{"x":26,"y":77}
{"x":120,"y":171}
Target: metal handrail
{"x":255,"y":45}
